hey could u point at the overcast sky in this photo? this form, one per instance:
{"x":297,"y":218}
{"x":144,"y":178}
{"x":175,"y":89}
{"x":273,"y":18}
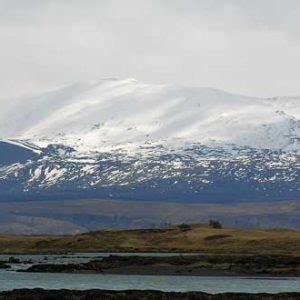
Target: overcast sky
{"x":249,"y":47}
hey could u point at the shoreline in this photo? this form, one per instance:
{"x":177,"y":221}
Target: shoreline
{"x":194,"y":265}
{"x":39,"y":294}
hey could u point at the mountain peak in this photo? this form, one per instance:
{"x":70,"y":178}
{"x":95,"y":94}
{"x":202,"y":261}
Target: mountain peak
{"x":114,"y":112}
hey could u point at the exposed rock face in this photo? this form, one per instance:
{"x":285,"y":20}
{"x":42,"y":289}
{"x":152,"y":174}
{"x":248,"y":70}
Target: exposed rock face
{"x":188,"y":174}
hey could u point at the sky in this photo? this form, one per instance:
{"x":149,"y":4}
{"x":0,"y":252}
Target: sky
{"x":247,"y":47}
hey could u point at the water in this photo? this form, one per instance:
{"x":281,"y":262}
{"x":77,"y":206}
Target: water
{"x":14,"y":280}
{"x":10,"y":279}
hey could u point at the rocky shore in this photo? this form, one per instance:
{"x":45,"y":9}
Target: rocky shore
{"x":40,"y":294}
{"x":4,"y":265}
{"x":201,"y":265}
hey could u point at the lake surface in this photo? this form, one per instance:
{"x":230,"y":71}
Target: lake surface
{"x":15,"y":280}
{"x":10,"y":279}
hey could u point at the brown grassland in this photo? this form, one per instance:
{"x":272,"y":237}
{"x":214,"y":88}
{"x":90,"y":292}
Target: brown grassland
{"x":197,"y":238}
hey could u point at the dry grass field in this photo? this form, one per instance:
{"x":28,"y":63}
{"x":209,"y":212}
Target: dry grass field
{"x":197,"y":238}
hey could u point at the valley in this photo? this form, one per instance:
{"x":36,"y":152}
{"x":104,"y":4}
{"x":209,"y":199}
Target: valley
{"x":67,"y":217}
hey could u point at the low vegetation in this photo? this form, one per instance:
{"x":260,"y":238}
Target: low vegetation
{"x":191,"y":238}
{"x":204,"y":265}
{"x":184,"y":227}
{"x":39,"y":294}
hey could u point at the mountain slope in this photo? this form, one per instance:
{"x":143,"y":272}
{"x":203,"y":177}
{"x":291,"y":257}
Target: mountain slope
{"x":114,"y":112}
{"x":123,"y":139}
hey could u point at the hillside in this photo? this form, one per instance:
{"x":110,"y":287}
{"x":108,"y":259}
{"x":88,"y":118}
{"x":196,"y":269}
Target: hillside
{"x":72,"y":216}
{"x":198,"y":238}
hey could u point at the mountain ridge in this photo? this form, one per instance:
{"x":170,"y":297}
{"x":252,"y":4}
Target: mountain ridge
{"x":126,"y":140}
{"x":121,"y":112}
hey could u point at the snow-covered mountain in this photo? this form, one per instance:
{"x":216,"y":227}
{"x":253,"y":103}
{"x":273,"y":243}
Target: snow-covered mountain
{"x":129,"y":140}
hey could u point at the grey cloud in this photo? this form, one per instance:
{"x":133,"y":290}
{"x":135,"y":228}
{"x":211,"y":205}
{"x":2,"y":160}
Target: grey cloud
{"x":250,"y":47}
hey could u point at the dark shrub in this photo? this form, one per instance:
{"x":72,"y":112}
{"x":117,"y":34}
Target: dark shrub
{"x":215,"y":224}
{"x":184,"y":227}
